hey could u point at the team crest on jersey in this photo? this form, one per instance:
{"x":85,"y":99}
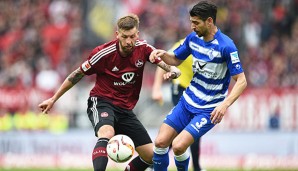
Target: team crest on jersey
{"x":234,"y":57}
{"x":104,"y":114}
{"x":86,"y":66}
{"x":139,"y":63}
{"x":210,"y":54}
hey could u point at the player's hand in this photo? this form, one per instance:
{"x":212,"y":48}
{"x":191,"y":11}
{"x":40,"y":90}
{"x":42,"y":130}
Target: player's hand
{"x":46,"y":105}
{"x":173,"y":74}
{"x":155,"y":54}
{"x":218,"y":113}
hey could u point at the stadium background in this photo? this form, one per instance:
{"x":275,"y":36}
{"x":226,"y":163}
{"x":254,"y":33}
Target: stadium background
{"x":42,"y":41}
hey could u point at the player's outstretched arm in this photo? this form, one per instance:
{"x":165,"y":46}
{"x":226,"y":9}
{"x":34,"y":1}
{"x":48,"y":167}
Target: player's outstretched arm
{"x":68,"y":83}
{"x":172,"y":72}
{"x":167,"y":57}
{"x":157,"y":84}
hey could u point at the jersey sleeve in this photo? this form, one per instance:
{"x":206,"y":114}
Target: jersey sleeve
{"x":86,"y":66}
{"x":233,"y":60}
{"x":183,"y":50}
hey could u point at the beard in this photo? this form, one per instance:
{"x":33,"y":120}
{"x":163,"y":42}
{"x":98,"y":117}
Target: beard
{"x":127,"y":50}
{"x":201,"y":33}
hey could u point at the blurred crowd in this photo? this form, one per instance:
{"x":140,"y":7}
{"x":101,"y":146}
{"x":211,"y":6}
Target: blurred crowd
{"x":41,"y":41}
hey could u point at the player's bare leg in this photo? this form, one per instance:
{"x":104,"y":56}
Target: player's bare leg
{"x":163,"y":140}
{"x":180,"y":145}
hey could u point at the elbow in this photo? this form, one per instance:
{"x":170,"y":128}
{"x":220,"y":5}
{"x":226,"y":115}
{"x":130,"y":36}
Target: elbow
{"x":244,"y":83}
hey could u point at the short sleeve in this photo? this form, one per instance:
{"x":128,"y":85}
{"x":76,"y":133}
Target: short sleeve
{"x":233,"y":61}
{"x":86,"y":66}
{"x":183,"y":51}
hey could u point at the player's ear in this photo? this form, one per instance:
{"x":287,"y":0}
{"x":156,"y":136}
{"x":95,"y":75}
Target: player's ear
{"x":117,"y":34}
{"x":209,"y":21}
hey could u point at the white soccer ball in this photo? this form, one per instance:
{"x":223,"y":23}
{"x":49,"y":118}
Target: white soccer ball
{"x":120,"y":148}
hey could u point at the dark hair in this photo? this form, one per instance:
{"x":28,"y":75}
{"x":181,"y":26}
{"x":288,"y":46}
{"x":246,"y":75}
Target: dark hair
{"x":128,"y":22}
{"x":203,"y":10}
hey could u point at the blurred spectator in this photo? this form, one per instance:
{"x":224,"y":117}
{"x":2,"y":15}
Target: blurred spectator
{"x":41,"y":40}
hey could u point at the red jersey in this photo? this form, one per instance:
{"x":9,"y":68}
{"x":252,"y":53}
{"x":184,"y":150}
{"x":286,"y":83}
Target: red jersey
{"x":118,"y":79}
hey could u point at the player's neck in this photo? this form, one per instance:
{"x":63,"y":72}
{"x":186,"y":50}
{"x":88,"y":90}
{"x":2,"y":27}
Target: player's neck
{"x":122,"y":52}
{"x":211,"y":34}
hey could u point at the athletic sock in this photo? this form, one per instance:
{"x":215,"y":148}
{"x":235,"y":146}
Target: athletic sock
{"x":99,"y":155}
{"x":161,"y":159}
{"x":182,"y":161}
{"x":137,"y":164}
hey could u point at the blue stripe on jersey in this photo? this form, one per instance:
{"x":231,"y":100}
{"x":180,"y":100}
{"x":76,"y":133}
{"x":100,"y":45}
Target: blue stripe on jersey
{"x":213,"y":62}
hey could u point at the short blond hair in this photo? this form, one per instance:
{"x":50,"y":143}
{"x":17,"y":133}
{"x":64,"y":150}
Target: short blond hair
{"x":128,"y":22}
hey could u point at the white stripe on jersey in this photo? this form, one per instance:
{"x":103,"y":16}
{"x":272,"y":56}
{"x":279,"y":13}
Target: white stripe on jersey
{"x":139,"y":43}
{"x":203,"y":50}
{"x":205,"y":97}
{"x":210,"y":68}
{"x":207,"y":86}
{"x":102,"y":53}
{"x":192,"y":103}
{"x":94,"y":110}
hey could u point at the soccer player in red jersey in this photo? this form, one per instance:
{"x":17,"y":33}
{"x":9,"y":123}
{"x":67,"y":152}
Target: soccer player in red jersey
{"x":119,"y":67}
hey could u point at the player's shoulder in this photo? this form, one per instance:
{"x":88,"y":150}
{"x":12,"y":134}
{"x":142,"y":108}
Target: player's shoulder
{"x":110,"y":44}
{"x":224,"y":39}
{"x":143,"y":44}
{"x":107,"y":48}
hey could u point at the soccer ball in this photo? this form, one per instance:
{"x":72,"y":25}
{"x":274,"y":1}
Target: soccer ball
{"x":120,"y":148}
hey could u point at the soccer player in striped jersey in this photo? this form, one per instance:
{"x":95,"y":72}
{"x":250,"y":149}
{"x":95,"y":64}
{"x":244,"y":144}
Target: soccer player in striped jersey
{"x":177,"y":89}
{"x":118,"y":66}
{"x":205,"y":101}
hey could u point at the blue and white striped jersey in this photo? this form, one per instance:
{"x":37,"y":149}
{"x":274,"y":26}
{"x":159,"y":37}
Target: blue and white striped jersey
{"x":214,"y":63}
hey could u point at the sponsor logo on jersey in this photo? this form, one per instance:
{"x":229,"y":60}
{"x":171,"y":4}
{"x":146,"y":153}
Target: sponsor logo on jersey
{"x":86,"y":66}
{"x":234,"y":57}
{"x":127,"y":79}
{"x":202,"y":65}
{"x":139,"y":63}
{"x":198,"y":65}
